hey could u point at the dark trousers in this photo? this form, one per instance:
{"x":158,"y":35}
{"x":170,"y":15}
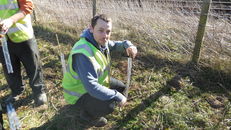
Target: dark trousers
{"x":27,"y":54}
{"x":97,"y":108}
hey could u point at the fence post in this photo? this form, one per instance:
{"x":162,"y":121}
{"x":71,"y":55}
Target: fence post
{"x":201,"y":30}
{"x":94,"y":7}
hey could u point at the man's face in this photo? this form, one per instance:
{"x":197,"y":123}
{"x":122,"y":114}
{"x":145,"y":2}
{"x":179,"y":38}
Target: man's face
{"x":102,"y":31}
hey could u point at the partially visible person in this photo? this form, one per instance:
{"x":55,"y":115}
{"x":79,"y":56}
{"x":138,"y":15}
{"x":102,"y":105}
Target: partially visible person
{"x":16,"y":25}
{"x":87,"y":83}
{"x":1,"y":119}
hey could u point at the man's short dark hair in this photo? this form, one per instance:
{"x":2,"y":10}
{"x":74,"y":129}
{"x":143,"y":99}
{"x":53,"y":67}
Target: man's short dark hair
{"x":104,"y":17}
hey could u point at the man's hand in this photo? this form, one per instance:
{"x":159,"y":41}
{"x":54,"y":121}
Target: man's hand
{"x":131,"y":51}
{"x":6,"y":24}
{"x":1,"y":32}
{"x":1,"y":36}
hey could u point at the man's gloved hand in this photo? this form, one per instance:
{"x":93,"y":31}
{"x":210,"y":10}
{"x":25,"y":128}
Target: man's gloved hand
{"x":6,"y":24}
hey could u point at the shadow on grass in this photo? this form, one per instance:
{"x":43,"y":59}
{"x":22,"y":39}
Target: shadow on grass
{"x":67,"y":118}
{"x":141,"y":107}
{"x":205,"y":78}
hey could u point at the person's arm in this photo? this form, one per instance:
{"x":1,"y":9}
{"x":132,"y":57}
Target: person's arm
{"x":25,"y":7}
{"x":121,"y":46}
{"x":89,"y":78}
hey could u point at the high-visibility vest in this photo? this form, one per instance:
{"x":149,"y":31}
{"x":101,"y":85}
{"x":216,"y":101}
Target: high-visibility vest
{"x":21,"y":30}
{"x":72,"y":85}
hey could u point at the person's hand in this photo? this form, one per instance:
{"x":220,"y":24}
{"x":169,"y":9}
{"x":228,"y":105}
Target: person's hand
{"x":6,"y":24}
{"x":131,"y":51}
{"x":1,"y":32}
{"x":123,"y":102}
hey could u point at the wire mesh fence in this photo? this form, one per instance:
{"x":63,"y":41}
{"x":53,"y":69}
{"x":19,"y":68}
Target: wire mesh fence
{"x":165,"y":25}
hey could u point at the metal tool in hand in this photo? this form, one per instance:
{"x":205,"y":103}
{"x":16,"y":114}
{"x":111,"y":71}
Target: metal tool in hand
{"x":13,"y":119}
{"x":129,"y":72}
{"x":6,"y":54}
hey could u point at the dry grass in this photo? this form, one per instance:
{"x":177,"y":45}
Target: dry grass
{"x":166,"y":30}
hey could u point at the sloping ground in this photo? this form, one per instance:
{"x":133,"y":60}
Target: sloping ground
{"x":166,"y":90}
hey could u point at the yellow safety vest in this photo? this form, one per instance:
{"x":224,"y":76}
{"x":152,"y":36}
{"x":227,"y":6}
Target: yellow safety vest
{"x":72,"y":85}
{"x":21,"y":30}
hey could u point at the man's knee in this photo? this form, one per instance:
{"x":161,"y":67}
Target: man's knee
{"x":96,"y":107}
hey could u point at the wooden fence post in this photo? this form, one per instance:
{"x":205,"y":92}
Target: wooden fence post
{"x":201,"y":30}
{"x":94,"y":7}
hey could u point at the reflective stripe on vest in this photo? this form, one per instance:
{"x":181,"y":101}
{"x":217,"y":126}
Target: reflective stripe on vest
{"x":72,"y":93}
{"x":9,"y":6}
{"x":86,"y":47}
{"x":16,"y":29}
{"x":69,"y":71}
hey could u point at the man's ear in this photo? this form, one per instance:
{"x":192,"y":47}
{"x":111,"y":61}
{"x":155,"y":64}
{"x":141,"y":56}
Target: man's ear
{"x":91,"y":29}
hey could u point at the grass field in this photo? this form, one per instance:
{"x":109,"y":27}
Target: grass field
{"x":167,"y":91}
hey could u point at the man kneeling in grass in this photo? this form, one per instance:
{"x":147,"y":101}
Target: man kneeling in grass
{"x":87,"y":83}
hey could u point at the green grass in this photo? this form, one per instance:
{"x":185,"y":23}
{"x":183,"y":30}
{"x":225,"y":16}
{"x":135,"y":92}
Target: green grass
{"x":166,"y":91}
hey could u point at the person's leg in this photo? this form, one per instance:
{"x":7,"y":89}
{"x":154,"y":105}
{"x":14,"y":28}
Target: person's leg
{"x":117,"y":85}
{"x":96,"y":107}
{"x":1,"y":119}
{"x":30,"y":59}
{"x":93,"y":110}
{"x":14,"y":79}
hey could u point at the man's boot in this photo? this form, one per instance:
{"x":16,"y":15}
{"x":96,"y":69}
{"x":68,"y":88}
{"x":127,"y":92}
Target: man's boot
{"x":40,"y":99}
{"x":97,"y":122}
{"x":16,"y":94}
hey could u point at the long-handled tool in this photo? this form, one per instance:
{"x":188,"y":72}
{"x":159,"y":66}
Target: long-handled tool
{"x":129,"y":72}
{"x":13,"y":119}
{"x":6,"y":54}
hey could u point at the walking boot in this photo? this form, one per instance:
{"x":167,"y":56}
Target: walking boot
{"x":40,"y":99}
{"x":97,"y":122}
{"x":16,"y":95}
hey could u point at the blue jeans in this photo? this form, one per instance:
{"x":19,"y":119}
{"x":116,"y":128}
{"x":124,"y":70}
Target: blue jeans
{"x":27,"y":54}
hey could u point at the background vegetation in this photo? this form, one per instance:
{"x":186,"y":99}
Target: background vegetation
{"x":167,"y":91}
